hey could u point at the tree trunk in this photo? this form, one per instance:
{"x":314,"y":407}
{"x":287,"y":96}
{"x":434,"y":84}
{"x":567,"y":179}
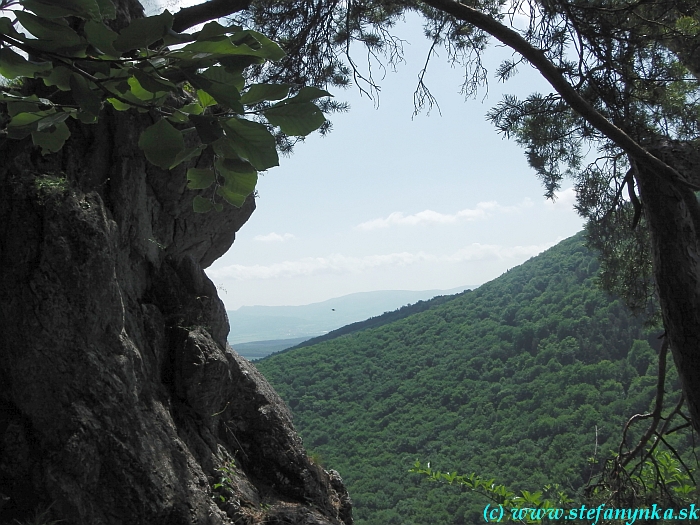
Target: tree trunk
{"x":119,"y":396}
{"x":673,"y":215}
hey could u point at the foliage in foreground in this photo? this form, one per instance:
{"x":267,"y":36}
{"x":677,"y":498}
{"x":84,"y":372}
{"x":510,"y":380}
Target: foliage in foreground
{"x":193,"y":85}
{"x":528,"y":380}
{"x":662,"y":478}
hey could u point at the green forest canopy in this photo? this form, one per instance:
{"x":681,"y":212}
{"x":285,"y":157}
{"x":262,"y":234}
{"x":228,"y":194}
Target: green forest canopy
{"x":524,"y":379}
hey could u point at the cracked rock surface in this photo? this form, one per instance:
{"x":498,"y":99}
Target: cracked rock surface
{"x":120,"y":400}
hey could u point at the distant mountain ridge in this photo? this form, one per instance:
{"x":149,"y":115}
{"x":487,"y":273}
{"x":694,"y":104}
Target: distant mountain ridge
{"x":380,"y":320}
{"x":267,"y":323}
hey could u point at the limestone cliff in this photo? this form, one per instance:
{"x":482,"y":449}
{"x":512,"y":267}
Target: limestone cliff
{"x":119,"y":396}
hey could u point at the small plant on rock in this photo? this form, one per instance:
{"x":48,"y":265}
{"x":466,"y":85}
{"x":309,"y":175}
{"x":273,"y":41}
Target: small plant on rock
{"x":224,"y":488}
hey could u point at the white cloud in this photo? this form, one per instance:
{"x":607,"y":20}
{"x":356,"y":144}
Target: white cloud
{"x":335,"y":263}
{"x":482,"y":211}
{"x":478,"y":251}
{"x":564,"y":199}
{"x":274,"y":237}
{"x":342,"y":264}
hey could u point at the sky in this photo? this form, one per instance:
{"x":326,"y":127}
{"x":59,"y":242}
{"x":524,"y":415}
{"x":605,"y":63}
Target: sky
{"x":393,"y":201}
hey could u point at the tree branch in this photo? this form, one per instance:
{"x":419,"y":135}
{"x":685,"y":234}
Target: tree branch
{"x":213,"y":9}
{"x":549,"y":71}
{"x":625,"y":458}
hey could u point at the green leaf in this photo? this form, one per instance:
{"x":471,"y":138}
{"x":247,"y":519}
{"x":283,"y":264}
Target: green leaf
{"x":208,"y":128}
{"x":130,"y":98}
{"x":88,"y":100}
{"x":253,"y":142}
{"x":119,"y":83}
{"x":161,"y":143}
{"x":24,"y":119}
{"x":202,"y":205}
{"x":101,"y":37}
{"x":264,"y":47}
{"x":307,"y":94}
{"x":192,"y":109}
{"x":17,"y":105}
{"x":223,"y":46}
{"x":54,"y":46}
{"x":118,"y":104}
{"x":205,"y":99}
{"x":23,"y":124}
{"x":142,"y":32}
{"x":187,"y":154}
{"x":10,"y":97}
{"x":57,"y":32}
{"x":178,"y":117}
{"x":296,"y":119}
{"x":239,"y":63}
{"x":97,"y":68}
{"x":224,"y":94}
{"x":143,"y":94}
{"x":186,"y":112}
{"x":51,"y":120}
{"x":225,"y":147}
{"x":217,"y":45}
{"x":223,"y":76}
{"x":107,"y":9}
{"x":152,"y":81}
{"x":231,"y":165}
{"x":87,"y":9}
{"x":240,"y":179}
{"x":13,"y":65}
{"x":235,"y":197}
{"x":14,"y":108}
{"x":6,"y":28}
{"x":232,"y":197}
{"x":86,"y":118}
{"x":51,"y":141}
{"x":259,"y":92}
{"x":199,"y":179}
{"x":60,"y":77}
{"x":214,"y":29}
{"x":173,"y":38}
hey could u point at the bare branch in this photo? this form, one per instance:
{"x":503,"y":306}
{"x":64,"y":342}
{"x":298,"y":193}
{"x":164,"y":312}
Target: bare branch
{"x":422,"y":94}
{"x":625,"y":458}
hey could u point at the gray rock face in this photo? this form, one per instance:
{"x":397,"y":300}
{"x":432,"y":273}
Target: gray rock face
{"x":119,"y":396}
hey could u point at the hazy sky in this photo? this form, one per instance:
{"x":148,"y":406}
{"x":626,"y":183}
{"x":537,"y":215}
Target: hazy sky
{"x":392,"y":201}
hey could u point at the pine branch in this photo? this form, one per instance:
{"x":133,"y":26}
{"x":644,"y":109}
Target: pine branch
{"x":552,"y":74}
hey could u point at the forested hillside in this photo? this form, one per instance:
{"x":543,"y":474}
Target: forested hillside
{"x":379,"y":320}
{"x":524,"y":380}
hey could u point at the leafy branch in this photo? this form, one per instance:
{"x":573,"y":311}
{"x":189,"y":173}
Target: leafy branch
{"x":518,"y":508}
{"x":192,"y":83}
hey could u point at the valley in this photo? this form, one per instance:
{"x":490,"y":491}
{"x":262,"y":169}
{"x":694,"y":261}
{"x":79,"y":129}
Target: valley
{"x":527,"y":379}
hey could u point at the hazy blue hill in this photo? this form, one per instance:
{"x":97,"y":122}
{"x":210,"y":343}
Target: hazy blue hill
{"x":259,"y":349}
{"x":264,"y":323}
{"x":520,"y":380}
{"x":377,"y":321}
